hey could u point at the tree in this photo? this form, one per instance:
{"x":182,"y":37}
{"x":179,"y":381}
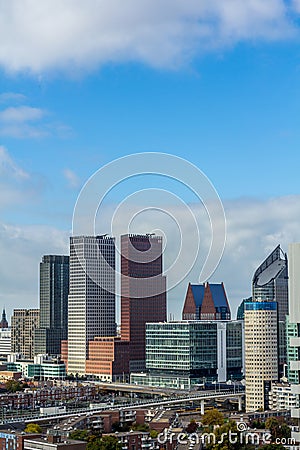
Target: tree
{"x":104,"y":443}
{"x":153,"y":434}
{"x":33,"y":428}
{"x":278,"y":428}
{"x":140,"y":427}
{"x":192,"y":427}
{"x":13,"y":386}
{"x":227,"y":437}
{"x":80,"y":435}
{"x":213,"y":417}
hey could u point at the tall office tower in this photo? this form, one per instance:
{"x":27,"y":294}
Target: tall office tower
{"x":206,"y":301}
{"x":265,"y":335}
{"x":143,"y":292}
{"x":3,"y":323}
{"x":54,"y":290}
{"x":294,"y":317}
{"x":91,"y":305}
{"x":23,"y":325}
{"x":270,"y":283}
{"x":261,"y":352}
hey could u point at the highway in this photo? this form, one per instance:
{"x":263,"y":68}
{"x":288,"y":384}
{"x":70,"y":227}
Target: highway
{"x":141,"y":404}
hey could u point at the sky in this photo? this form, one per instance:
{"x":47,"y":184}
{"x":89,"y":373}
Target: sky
{"x":215,"y":83}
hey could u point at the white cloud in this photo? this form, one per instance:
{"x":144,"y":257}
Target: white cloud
{"x":17,"y":186}
{"x":63,"y":34}
{"x":28,"y":122}
{"x":12,"y":97}
{"x":72,"y":178}
{"x":21,"y":114}
{"x":8,"y":166}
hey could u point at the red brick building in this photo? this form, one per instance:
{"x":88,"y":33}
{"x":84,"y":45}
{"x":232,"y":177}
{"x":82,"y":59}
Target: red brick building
{"x":206,"y":301}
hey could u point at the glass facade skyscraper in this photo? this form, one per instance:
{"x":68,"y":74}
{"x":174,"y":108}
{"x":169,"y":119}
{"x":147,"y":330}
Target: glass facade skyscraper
{"x":54,"y":290}
{"x":91,"y":305}
{"x":270,"y":283}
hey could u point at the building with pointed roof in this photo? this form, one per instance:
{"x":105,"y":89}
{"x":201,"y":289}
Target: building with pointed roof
{"x":207,"y":301}
{"x":3,"y":323}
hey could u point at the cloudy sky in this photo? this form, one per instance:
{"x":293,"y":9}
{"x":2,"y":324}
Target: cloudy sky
{"x":84,"y":83}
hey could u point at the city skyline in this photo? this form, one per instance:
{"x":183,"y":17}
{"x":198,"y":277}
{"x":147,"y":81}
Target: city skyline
{"x":216,"y":86}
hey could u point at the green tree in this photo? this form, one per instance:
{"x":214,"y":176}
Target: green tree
{"x":104,"y":443}
{"x":227,"y":437}
{"x":13,"y":386}
{"x":278,"y":428}
{"x":140,"y":427}
{"x":33,"y":428}
{"x":153,"y":434}
{"x":213,"y":417}
{"x":80,"y":435}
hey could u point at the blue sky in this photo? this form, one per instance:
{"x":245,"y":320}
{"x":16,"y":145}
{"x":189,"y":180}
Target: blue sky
{"x":216,"y":83}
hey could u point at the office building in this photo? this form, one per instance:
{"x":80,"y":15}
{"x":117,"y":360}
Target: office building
{"x":206,"y":301}
{"x":281,"y":397}
{"x":24,"y":322}
{"x":42,"y":367}
{"x":292,"y":352}
{"x":5,"y":341}
{"x":294,"y":318}
{"x":270,"y":283}
{"x":261,"y":353}
{"x":183,"y":354}
{"x":143,"y":291}
{"x":108,"y":359}
{"x":265,"y":329}
{"x":91,"y":303}
{"x":54,"y":290}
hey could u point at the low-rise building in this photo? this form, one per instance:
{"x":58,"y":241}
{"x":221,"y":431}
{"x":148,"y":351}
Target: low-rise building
{"x":282,"y":398}
{"x":53,"y":441}
{"x":42,"y":367}
{"x":184,"y":354}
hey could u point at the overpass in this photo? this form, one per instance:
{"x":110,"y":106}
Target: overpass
{"x":176,"y":400}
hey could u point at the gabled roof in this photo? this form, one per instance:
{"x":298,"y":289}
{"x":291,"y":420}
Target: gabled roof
{"x":218,"y":295}
{"x":198,"y":294}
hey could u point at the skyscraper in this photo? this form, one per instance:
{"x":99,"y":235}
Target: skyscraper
{"x":91,"y":305}
{"x":294,"y":318}
{"x":23,"y":325}
{"x":261,"y":352}
{"x":143,"y":291}
{"x":265,"y":335}
{"x":270,"y":283}
{"x":54,"y":290}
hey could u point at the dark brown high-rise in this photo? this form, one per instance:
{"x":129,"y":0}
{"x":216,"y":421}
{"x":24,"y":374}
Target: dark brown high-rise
{"x":143,"y":291}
